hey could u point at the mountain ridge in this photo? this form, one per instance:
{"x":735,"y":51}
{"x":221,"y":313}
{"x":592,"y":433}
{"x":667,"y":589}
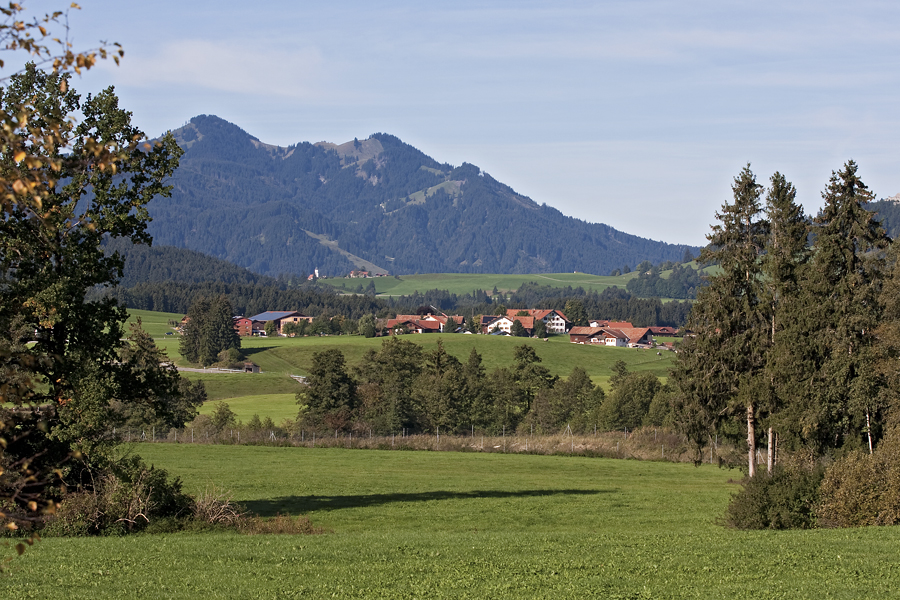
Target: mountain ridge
{"x":379,"y":200}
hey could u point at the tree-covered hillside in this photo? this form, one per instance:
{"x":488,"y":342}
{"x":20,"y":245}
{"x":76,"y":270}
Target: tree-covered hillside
{"x":888,"y":215}
{"x":157,"y":264}
{"x":382,"y":203}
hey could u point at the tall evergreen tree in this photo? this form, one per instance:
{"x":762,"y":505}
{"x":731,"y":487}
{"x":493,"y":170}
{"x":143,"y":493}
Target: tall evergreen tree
{"x":720,"y":369}
{"x":786,"y":252}
{"x":330,"y":396}
{"x":209,"y":330}
{"x":834,"y":384}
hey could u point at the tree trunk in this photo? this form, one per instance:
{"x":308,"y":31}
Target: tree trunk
{"x":770,"y":465}
{"x":869,"y":431}
{"x":751,"y":440}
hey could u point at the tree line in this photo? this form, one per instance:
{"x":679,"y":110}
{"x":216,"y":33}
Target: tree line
{"x":798,"y":335}
{"x":402,"y":387}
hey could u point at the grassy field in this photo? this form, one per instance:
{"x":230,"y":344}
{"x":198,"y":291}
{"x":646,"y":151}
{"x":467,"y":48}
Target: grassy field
{"x":464,"y":283}
{"x":278,"y":407}
{"x":281,"y":357}
{"x":462,"y":525}
{"x":154,"y":323}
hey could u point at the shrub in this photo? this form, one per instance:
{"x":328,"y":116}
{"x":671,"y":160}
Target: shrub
{"x":862,"y":489}
{"x":217,"y":507}
{"x":126,"y":497}
{"x":786,"y":499}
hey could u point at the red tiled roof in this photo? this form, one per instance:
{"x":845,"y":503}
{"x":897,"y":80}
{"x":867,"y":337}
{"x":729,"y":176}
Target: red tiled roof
{"x":527,"y":322}
{"x":664,"y":330}
{"x":585,"y":330}
{"x":414,"y":324}
{"x":634,"y":333}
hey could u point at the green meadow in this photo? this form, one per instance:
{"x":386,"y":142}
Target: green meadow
{"x":461,"y":525}
{"x":154,"y":323}
{"x":465,"y":283}
{"x":278,"y":407}
{"x":280,"y":357}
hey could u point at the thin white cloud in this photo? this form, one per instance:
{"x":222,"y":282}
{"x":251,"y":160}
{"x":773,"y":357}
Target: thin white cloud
{"x":235,"y":67}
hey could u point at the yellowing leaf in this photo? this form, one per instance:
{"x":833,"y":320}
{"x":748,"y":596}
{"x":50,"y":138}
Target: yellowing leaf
{"x":19,"y":156}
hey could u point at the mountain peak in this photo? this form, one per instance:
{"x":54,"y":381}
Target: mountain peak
{"x":328,"y":206}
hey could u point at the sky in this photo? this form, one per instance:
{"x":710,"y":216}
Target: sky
{"x":637,"y":114}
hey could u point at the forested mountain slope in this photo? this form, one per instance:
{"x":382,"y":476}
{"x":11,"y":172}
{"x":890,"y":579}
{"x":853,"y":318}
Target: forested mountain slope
{"x":888,"y":210}
{"x":379,"y":201}
{"x":167,"y":264}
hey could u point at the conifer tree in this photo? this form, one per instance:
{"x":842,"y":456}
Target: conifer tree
{"x":209,"y":330}
{"x":721,"y":368}
{"x":786,"y":253}
{"x":832,"y":380}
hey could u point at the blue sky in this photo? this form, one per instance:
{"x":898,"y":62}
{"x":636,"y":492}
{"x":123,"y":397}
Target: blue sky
{"x":637,"y":114}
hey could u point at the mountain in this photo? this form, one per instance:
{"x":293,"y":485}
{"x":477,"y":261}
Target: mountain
{"x":376,"y":204}
{"x":888,"y":210}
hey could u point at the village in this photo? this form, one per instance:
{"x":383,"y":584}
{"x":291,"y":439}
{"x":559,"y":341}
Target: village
{"x":522,"y":322}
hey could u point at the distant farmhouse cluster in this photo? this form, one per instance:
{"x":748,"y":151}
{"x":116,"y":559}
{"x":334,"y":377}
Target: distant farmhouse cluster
{"x":256,"y":325}
{"x":554,"y":321}
{"x":352,"y":275}
{"x":620,"y":333}
{"x":424,"y":323}
{"x":599,"y":333}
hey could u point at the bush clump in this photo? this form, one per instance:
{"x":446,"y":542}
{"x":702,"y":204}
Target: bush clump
{"x":863,"y":489}
{"x":124,"y":498}
{"x":785,"y":499}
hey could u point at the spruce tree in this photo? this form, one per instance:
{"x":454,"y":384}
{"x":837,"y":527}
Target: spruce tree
{"x":833,"y":380}
{"x":720,"y":370}
{"x":786,"y":252}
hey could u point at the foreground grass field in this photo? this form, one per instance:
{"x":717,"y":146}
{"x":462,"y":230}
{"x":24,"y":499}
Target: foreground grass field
{"x":451,"y":525}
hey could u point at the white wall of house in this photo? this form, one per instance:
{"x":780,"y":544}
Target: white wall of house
{"x":503,"y":324}
{"x":554,"y":323}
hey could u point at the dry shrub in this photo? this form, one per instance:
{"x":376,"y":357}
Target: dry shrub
{"x":298,"y":525}
{"x":862,"y":489}
{"x":217,"y":507}
{"x":125,"y":498}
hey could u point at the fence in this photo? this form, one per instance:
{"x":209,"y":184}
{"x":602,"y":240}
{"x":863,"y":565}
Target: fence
{"x":645,"y":443}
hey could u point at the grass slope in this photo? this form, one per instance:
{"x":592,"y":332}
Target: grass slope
{"x":154,"y":323}
{"x":277,"y":407}
{"x":280,"y":357}
{"x":463,"y":283}
{"x":449,"y":525}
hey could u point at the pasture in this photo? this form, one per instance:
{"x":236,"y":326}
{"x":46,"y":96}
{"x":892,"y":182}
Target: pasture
{"x":461,"y":525}
{"x":280,"y":357}
{"x":271,"y":393}
{"x":278,"y":407}
{"x":154,"y":323}
{"x":466,"y":283}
